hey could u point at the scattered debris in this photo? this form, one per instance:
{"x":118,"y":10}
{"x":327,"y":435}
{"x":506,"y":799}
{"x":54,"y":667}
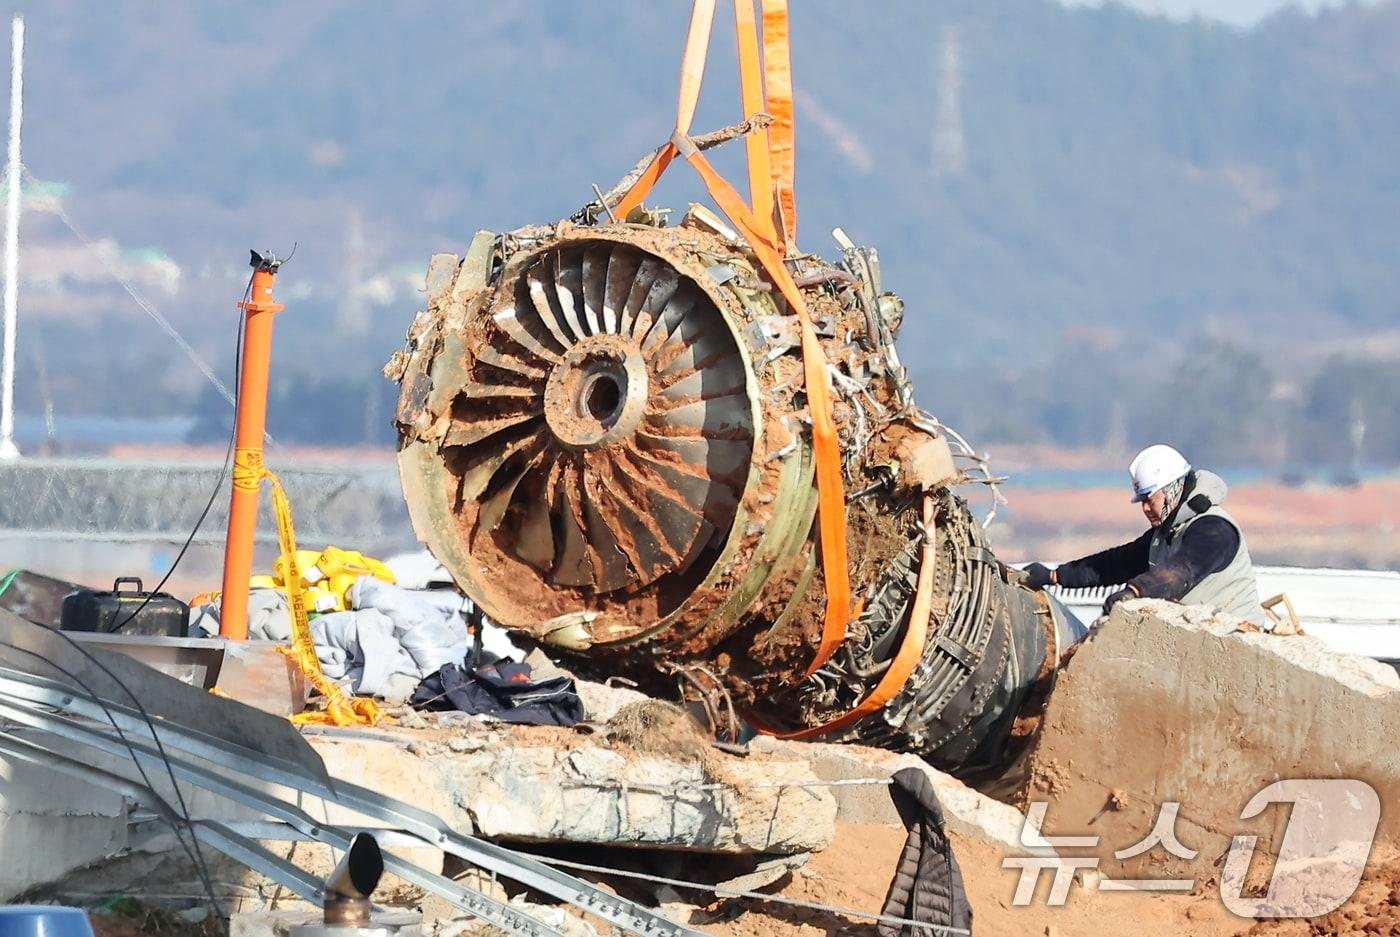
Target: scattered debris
{"x":659,"y":728}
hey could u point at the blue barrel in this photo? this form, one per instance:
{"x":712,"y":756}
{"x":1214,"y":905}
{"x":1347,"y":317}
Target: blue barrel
{"x":42,"y":920}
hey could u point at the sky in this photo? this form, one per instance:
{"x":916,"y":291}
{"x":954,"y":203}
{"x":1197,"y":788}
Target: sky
{"x":1238,"y":12}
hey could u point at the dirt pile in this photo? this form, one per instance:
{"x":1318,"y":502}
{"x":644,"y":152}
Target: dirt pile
{"x":660,"y":728}
{"x":1374,"y":911}
{"x":856,"y":871}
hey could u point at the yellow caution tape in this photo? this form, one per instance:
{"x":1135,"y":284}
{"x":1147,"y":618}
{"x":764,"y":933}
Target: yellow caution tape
{"x":342,"y":709}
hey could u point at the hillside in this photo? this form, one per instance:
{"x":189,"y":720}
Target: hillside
{"x":1130,"y":184}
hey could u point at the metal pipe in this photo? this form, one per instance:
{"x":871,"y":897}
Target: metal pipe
{"x":8,"y":450}
{"x":250,"y":426}
{"x":350,"y":884}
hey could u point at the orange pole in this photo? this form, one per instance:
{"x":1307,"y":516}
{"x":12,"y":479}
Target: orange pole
{"x":250,"y":427}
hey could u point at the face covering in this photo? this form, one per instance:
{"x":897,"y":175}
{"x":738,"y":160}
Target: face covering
{"x":1172,"y":499}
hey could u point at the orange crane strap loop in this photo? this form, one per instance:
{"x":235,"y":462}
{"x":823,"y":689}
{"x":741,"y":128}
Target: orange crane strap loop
{"x":697,"y":47}
{"x":769,"y":243}
{"x":645,"y":182}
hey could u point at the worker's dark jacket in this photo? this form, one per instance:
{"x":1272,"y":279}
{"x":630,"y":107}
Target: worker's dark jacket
{"x":1197,"y":557}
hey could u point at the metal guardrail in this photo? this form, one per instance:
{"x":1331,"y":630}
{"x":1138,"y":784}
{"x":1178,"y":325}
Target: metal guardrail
{"x":212,"y":744}
{"x":1352,"y":611}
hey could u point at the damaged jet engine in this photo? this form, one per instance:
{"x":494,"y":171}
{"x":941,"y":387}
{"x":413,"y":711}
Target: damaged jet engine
{"x":605,"y":439}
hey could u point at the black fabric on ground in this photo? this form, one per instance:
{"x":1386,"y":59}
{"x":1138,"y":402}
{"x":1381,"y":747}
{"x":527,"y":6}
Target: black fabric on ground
{"x":928,"y":884}
{"x":503,"y":691}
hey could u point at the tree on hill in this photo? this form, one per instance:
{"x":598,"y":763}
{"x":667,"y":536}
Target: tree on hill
{"x":1349,"y":415}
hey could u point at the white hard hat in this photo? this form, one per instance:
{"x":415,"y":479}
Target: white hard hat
{"x":1155,"y":468}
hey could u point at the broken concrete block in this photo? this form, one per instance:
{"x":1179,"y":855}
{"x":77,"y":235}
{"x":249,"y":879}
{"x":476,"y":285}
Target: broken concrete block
{"x":1166,"y":704}
{"x":764,"y":874}
{"x":462,"y":744}
{"x":965,"y":810}
{"x":78,"y":824}
{"x":537,"y":785}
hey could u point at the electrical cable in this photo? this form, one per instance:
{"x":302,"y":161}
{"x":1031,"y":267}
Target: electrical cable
{"x":198,"y":856}
{"x":195,"y":854}
{"x":219,"y":481}
{"x":720,"y":891}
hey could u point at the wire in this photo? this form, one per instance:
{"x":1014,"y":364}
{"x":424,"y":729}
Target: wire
{"x":218,"y":481}
{"x":199,"y":522}
{"x":140,"y":300}
{"x":721,"y":891}
{"x":195,"y":855}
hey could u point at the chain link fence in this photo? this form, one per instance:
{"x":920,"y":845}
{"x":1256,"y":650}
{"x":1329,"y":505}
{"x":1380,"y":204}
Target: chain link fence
{"x":90,"y":520}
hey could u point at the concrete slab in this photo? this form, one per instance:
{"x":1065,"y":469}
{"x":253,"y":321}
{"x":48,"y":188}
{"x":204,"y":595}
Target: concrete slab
{"x":543,"y":784}
{"x":75,"y":823}
{"x":965,"y":810}
{"x":509,"y":783}
{"x":1170,"y":704}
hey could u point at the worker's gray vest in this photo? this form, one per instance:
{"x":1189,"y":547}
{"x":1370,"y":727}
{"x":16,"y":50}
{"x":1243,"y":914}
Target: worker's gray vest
{"x":1231,"y":590}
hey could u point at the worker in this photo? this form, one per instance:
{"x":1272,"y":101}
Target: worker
{"x":1194,"y":553}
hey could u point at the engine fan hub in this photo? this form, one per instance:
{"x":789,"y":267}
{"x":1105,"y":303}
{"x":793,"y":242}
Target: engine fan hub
{"x":599,"y":434}
{"x":597,"y":395}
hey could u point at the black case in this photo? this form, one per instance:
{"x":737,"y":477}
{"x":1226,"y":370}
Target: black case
{"x":93,"y":610}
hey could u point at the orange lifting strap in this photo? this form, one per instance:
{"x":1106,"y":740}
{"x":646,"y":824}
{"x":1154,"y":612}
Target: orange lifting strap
{"x":642,"y":187}
{"x":697,"y":47}
{"x":831,"y":495}
{"x":751,"y":84}
{"x":782,"y":139}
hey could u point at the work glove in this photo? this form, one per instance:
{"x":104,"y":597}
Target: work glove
{"x":1115,"y":598}
{"x":1038,"y":575}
